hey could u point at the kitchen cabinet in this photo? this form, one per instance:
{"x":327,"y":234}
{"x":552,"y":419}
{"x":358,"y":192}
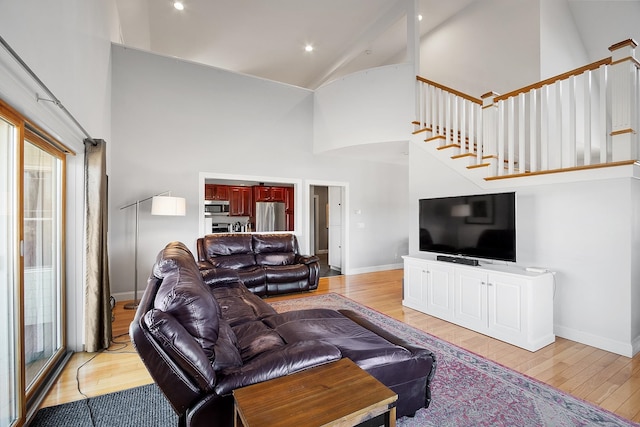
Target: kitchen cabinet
{"x":505,"y":302}
{"x":289,"y":207}
{"x":264,"y":193}
{"x":240,"y":201}
{"x":216,"y":192}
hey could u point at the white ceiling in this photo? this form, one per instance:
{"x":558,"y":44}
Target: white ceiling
{"x":266,"y":38}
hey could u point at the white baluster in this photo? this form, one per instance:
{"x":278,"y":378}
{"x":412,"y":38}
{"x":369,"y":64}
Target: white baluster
{"x":522,"y":154}
{"x":533,"y":130}
{"x":511,"y":126}
{"x":587,"y":118}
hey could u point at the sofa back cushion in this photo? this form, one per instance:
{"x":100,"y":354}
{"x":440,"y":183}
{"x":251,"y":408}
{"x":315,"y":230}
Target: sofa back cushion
{"x":228,"y":250}
{"x":275,"y":249}
{"x":184,"y":295}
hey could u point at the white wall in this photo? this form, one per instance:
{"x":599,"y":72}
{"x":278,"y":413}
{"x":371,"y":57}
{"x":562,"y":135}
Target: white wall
{"x":584,"y":231}
{"x":173,"y":120}
{"x":561,"y":48}
{"x":67,"y":45}
{"x":366,"y":107}
{"x":477,"y":50}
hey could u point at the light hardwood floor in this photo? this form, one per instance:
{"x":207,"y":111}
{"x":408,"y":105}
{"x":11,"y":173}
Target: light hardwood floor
{"x":597,"y":376}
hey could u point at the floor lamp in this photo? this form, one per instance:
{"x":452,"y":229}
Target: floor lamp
{"x":160,"y":205}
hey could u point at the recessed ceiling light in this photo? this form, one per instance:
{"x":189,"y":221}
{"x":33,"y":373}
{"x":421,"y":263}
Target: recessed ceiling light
{"x":178,"y":5}
{"x":419,"y":17}
{"x":308,"y":48}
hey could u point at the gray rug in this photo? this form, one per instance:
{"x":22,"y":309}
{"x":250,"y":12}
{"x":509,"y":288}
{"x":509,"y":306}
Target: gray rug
{"x":140,"y":406}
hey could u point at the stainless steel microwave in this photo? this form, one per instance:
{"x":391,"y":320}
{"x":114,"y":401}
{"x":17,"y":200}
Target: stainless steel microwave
{"x":216,"y":207}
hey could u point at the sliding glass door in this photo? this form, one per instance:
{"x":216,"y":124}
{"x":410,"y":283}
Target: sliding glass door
{"x":10,"y":380}
{"x":42,"y":254}
{"x":31,"y":265}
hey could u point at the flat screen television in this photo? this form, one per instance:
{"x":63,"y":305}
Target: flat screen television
{"x":476,"y":226}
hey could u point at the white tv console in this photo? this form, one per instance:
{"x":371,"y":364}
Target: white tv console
{"x":505,"y":302}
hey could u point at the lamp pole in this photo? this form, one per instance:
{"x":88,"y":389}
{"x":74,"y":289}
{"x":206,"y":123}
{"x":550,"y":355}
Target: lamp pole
{"x":173,"y":210}
{"x":133,"y":305}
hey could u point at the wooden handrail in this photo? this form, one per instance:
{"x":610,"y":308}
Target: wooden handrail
{"x":562,"y":170}
{"x":448,"y":89}
{"x":563,"y":76}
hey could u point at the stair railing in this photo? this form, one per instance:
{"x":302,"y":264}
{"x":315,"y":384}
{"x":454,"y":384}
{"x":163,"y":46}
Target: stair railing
{"x":585,"y":117}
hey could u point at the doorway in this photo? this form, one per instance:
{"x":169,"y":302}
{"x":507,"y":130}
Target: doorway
{"x":326,"y":227}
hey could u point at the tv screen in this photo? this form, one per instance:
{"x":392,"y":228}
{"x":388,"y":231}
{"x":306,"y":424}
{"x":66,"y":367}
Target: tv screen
{"x":478,"y":226}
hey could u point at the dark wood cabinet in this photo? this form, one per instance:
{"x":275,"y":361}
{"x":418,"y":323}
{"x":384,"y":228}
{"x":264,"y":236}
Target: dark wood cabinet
{"x":216,"y":192}
{"x":289,"y":208}
{"x":263,"y":193}
{"x":240,"y":201}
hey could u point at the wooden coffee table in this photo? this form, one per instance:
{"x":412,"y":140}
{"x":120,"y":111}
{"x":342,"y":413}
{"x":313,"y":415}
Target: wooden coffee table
{"x":336,"y":394}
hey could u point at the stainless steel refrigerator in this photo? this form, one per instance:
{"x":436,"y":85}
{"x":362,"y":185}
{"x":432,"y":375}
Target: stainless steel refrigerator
{"x":270,"y":216}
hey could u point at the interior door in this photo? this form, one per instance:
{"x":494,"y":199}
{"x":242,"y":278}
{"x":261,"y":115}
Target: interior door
{"x":335,"y":227}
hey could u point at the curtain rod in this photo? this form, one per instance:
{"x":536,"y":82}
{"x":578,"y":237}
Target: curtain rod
{"x":54,"y":100}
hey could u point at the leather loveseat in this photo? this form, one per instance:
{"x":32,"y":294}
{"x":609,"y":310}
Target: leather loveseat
{"x":267,"y":264}
{"x":199,"y":343}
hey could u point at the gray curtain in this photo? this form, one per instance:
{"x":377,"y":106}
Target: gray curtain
{"x":97,"y":317}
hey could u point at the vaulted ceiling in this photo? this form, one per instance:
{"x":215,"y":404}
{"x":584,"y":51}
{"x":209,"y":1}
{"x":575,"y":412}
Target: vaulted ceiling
{"x":267,"y":38}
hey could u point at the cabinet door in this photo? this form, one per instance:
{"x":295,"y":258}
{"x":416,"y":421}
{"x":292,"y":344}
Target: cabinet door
{"x":471,"y":299}
{"x":289,"y":208}
{"x":415,"y":285}
{"x":240,"y":201}
{"x":261,"y":193}
{"x":222,"y":192}
{"x":278,"y":194}
{"x":209,"y":192}
{"x":440,"y":290}
{"x":506,"y":299}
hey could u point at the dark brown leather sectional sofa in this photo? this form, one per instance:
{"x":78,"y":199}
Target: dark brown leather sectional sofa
{"x":267,"y":264}
{"x":200,"y":342}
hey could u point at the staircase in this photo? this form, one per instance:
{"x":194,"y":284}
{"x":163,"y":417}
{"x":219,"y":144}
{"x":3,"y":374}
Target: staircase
{"x":587,"y":118}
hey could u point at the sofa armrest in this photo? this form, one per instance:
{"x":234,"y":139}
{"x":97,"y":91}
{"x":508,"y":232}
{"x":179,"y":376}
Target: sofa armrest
{"x":306,"y":259}
{"x":277,"y":363}
{"x":181,"y":347}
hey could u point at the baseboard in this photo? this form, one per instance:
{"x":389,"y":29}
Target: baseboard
{"x":635,"y":346}
{"x":618,"y":347}
{"x":375,"y":268}
{"x":126,"y":296}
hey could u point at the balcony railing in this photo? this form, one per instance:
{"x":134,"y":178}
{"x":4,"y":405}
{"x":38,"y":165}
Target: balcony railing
{"x":587,"y":117}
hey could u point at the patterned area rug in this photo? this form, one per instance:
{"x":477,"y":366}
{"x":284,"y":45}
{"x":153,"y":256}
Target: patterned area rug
{"x":469,"y":390}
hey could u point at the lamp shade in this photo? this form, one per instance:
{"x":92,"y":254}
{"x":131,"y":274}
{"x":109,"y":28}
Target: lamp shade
{"x":167,"y":205}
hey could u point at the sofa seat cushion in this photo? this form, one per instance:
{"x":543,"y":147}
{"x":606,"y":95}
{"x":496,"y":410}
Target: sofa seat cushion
{"x":287,"y":360}
{"x":239,"y":305}
{"x":255,"y":338}
{"x":359,"y":344}
{"x":226,"y":353}
{"x":286,"y":273}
